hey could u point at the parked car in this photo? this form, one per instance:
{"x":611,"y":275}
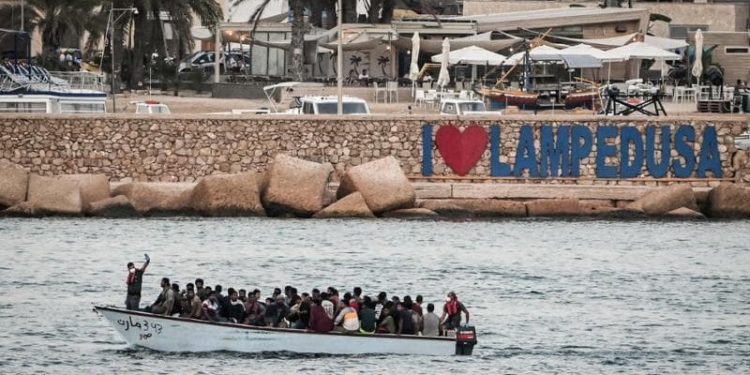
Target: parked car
{"x":234,"y":61}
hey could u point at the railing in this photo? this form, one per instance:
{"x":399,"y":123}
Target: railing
{"x":81,"y":80}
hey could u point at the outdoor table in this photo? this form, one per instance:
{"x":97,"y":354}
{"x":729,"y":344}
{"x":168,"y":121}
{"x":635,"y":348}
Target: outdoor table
{"x":642,"y":107}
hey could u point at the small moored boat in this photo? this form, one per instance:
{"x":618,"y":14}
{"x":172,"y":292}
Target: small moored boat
{"x":173,"y":334}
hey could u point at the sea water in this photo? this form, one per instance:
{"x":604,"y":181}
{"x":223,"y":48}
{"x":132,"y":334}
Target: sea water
{"x":546,"y":296}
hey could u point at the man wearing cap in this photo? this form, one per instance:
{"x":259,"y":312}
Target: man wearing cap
{"x":134,"y":282}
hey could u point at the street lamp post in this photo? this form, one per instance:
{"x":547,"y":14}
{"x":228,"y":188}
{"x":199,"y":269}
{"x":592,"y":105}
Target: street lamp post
{"x":111,"y":22}
{"x":340,"y":63}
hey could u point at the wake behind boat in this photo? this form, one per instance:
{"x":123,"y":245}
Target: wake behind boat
{"x":173,"y":334}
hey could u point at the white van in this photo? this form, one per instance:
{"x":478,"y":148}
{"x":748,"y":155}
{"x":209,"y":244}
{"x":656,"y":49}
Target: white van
{"x":462,"y":107}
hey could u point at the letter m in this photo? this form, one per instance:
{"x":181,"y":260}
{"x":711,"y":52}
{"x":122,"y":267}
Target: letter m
{"x":555,"y":154}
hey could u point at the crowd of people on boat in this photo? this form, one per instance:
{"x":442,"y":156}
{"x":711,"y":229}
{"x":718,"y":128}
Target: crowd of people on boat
{"x":317,"y":311}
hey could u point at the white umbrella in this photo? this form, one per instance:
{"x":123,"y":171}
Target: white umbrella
{"x":585,"y":49}
{"x":413,"y":67}
{"x":444,"y":78}
{"x":698,"y":64}
{"x":640,"y":50}
{"x":538,"y":53}
{"x":472,"y":55}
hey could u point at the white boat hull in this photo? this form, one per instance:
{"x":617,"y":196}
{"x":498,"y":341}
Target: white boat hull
{"x":172,"y":334}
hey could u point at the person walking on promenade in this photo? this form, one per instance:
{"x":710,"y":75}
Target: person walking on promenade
{"x":134,"y":282}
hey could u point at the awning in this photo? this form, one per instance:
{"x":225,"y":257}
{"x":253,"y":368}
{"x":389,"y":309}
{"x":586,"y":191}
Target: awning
{"x":286,"y":44}
{"x":547,"y":53}
{"x":435,"y":46}
{"x":618,"y":41}
{"x":361,"y":41}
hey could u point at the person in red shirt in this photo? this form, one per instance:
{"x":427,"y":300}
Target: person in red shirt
{"x":319,"y":320}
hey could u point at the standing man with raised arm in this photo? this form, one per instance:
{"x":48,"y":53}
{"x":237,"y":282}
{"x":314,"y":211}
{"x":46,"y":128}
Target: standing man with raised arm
{"x":135,"y":281}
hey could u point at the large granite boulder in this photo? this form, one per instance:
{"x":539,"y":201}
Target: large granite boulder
{"x":410,"y":213}
{"x":228,"y":195}
{"x":295,"y":186}
{"x":158,"y":198}
{"x":729,"y":201}
{"x":119,"y":206}
{"x":553,"y":207}
{"x":54,"y":196}
{"x":685,"y":213}
{"x":352,"y":205}
{"x":595,"y":207}
{"x":94,"y":187}
{"x":382,"y":183}
{"x":493,"y":207}
{"x":23,"y":209}
{"x":446,"y":208}
{"x":663,"y":200}
{"x":14,"y":183}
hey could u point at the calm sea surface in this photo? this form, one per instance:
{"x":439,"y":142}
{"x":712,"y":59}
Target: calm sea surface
{"x":547,"y":297}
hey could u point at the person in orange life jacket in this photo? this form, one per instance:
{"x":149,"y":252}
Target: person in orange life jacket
{"x":452,"y":310}
{"x":134,"y":282}
{"x":347,"y":318}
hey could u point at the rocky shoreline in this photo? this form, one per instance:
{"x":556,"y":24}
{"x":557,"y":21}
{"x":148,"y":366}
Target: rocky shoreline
{"x":293,"y":187}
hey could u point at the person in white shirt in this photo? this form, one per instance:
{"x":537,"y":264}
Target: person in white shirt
{"x":430,"y":322}
{"x":364,"y":75}
{"x":347,"y":320}
{"x":210,"y":308}
{"x":327,"y":305}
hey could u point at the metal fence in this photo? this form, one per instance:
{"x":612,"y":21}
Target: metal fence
{"x":82,"y":80}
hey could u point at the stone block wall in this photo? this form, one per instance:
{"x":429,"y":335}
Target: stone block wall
{"x":187,"y":147}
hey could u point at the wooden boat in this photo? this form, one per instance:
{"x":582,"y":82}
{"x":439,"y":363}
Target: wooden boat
{"x":510,"y":97}
{"x":582,"y":99}
{"x":173,"y":334}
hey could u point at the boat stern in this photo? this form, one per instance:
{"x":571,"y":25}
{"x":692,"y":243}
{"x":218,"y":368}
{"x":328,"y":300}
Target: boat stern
{"x":466,"y":339}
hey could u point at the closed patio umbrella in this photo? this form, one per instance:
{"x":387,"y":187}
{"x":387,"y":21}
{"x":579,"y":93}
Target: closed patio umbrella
{"x":444,"y":77}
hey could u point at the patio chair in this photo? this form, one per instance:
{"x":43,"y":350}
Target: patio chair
{"x":391,"y":88}
{"x":431,"y":97}
{"x":378,"y":91}
{"x":419,"y":97}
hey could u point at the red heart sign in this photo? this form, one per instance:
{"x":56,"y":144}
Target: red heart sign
{"x":461,"y":151}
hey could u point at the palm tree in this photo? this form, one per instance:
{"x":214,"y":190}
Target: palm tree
{"x":383,"y":62}
{"x":148,"y":26}
{"x":59,"y":22}
{"x":354,"y":60}
{"x":298,"y":31}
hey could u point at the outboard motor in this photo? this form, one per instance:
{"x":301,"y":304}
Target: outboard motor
{"x":466,"y":338}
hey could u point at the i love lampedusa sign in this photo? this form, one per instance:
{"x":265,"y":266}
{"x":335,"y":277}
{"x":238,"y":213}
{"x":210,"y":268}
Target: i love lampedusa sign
{"x":559,"y":151}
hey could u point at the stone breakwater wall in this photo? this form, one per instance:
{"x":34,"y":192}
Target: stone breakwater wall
{"x":185,"y":148}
